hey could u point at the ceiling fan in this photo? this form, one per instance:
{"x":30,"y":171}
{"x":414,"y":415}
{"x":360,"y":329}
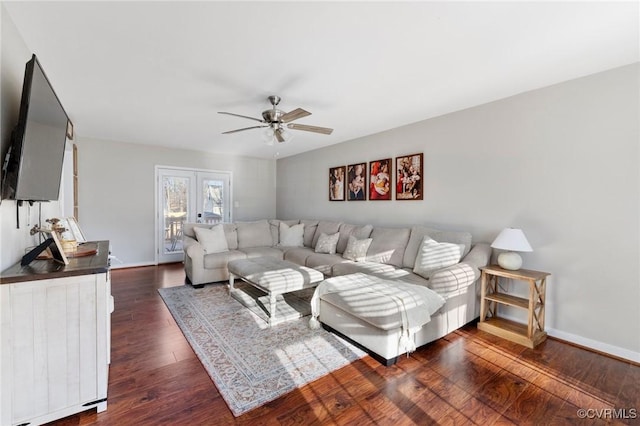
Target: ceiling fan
{"x":277,"y":122}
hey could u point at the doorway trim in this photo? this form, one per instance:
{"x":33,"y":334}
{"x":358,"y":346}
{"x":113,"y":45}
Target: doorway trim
{"x":156,"y":222}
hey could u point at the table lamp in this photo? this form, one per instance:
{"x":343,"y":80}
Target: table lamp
{"x":513,"y":240}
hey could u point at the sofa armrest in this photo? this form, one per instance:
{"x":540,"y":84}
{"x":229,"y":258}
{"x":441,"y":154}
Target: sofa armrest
{"x":194,"y":250}
{"x":187,"y":242}
{"x":478,"y":257}
{"x":456,"y":278}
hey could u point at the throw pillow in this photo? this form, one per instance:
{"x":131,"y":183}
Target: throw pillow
{"x":291,"y":236}
{"x":357,"y":249}
{"x":212,"y":240}
{"x":433,"y":255}
{"x":327,"y":243}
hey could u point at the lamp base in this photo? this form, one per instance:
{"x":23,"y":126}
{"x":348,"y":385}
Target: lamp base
{"x":510,"y":260}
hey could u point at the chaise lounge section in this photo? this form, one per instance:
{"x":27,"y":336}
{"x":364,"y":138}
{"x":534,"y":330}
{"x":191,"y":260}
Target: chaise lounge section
{"x":327,"y":246}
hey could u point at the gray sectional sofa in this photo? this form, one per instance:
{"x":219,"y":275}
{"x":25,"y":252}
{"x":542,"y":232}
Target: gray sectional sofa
{"x":391,"y":255}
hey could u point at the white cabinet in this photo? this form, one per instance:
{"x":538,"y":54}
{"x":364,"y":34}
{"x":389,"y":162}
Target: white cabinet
{"x":55,"y":341}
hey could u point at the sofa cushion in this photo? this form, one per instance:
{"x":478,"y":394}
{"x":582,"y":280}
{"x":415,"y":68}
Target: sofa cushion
{"x":356,"y":249}
{"x":323,"y":262}
{"x":418,"y":233}
{"x":263,"y":252}
{"x":310,"y":227}
{"x":212,"y":239}
{"x":433,"y":255}
{"x":220,"y":260}
{"x":347,"y":230}
{"x":388,"y":245}
{"x":254,"y":234}
{"x":325,"y":227}
{"x":379,"y":270}
{"x":298,"y":255}
{"x":327,"y":243}
{"x":291,"y":236}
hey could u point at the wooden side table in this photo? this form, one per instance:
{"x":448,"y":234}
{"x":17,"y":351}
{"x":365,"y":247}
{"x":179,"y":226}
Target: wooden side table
{"x":530,"y":334}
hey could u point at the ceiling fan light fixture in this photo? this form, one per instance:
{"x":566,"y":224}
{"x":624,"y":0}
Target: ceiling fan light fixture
{"x":268,"y":137}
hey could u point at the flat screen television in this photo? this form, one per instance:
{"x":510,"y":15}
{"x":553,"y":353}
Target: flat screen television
{"x":33,"y":164}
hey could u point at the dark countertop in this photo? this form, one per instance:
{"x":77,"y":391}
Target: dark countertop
{"x":49,"y":268}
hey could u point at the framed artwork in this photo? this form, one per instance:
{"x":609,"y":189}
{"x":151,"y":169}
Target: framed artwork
{"x":56,"y":250}
{"x":380,"y":179}
{"x":74,"y":229}
{"x":336,"y":183}
{"x":357,"y":182}
{"x":409,"y":182}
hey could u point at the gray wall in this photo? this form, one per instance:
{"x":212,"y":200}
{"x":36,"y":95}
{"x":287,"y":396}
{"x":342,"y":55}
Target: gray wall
{"x":15,"y":54}
{"x":117,"y":191}
{"x":560,"y":162}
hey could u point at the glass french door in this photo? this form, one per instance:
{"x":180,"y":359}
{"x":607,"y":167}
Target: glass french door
{"x":186,"y":195}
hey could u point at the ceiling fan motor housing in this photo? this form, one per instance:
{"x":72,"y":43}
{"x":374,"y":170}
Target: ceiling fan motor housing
{"x":272,"y":115}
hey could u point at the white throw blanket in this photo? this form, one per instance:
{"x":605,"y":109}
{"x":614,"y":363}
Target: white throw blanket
{"x":415,"y":303}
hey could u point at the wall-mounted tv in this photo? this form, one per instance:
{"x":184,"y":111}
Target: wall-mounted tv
{"x":33,"y":165}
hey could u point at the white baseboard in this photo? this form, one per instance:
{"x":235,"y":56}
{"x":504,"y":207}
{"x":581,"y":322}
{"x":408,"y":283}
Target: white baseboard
{"x":594,"y":344}
{"x":115,"y":264}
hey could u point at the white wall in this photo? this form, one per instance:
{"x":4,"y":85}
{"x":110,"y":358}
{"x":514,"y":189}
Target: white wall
{"x":117,"y":191}
{"x":560,"y":162}
{"x":14,"y":56}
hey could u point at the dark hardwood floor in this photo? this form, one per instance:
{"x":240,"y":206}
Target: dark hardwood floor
{"x":468,"y":377}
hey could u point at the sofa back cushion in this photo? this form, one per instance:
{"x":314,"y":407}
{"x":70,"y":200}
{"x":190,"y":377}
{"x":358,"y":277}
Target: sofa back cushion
{"x":254,"y":234}
{"x":388,"y":245}
{"x":213,"y":240}
{"x":325,"y":227}
{"x":347,"y":230}
{"x":434,"y":255}
{"x":310,"y":227}
{"x":291,"y":236}
{"x":274,"y":226}
{"x":419,"y":232}
{"x":230,"y":232}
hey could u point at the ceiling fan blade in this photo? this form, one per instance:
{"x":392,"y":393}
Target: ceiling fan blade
{"x":294,"y":115}
{"x":241,"y":130}
{"x":307,"y":128}
{"x":242,"y":116}
{"x":279,"y":136}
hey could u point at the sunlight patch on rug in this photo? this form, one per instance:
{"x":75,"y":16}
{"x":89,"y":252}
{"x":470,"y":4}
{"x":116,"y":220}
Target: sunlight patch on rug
{"x":250,"y":362}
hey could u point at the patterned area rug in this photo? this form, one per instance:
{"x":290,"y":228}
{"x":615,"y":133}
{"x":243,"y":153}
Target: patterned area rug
{"x":250,"y":362}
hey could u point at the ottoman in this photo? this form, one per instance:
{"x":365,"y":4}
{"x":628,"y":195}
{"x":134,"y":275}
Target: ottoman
{"x":272,"y":276}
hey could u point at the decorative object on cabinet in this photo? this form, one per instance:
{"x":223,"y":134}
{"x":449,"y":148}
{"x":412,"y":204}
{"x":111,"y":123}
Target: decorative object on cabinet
{"x":409,"y":172}
{"x":336,"y":183}
{"x":530,"y":334}
{"x":513,"y":240}
{"x":380,"y":179}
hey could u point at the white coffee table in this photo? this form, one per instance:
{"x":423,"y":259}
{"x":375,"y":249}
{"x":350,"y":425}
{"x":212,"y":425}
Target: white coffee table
{"x":275,"y":277}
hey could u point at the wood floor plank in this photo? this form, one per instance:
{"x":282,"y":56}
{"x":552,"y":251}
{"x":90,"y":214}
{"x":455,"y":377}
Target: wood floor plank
{"x":468,"y":377}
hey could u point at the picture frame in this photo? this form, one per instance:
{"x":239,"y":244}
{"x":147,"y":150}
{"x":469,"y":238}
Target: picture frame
{"x":357,"y":182}
{"x":380,"y":179}
{"x":74,"y":229}
{"x":336,"y":183}
{"x":56,"y":250}
{"x":410,"y":177}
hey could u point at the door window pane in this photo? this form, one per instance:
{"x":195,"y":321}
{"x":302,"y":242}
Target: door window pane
{"x":212,"y":201}
{"x":175,"y":200}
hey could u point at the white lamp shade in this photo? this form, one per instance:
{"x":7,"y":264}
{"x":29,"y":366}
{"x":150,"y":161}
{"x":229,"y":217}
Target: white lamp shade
{"x":511,"y":239}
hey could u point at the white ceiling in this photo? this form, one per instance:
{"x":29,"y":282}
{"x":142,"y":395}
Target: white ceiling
{"x":158,"y":72}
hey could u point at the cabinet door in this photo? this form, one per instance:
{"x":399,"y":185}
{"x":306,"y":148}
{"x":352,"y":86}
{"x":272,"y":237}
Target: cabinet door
{"x":56,"y":359}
